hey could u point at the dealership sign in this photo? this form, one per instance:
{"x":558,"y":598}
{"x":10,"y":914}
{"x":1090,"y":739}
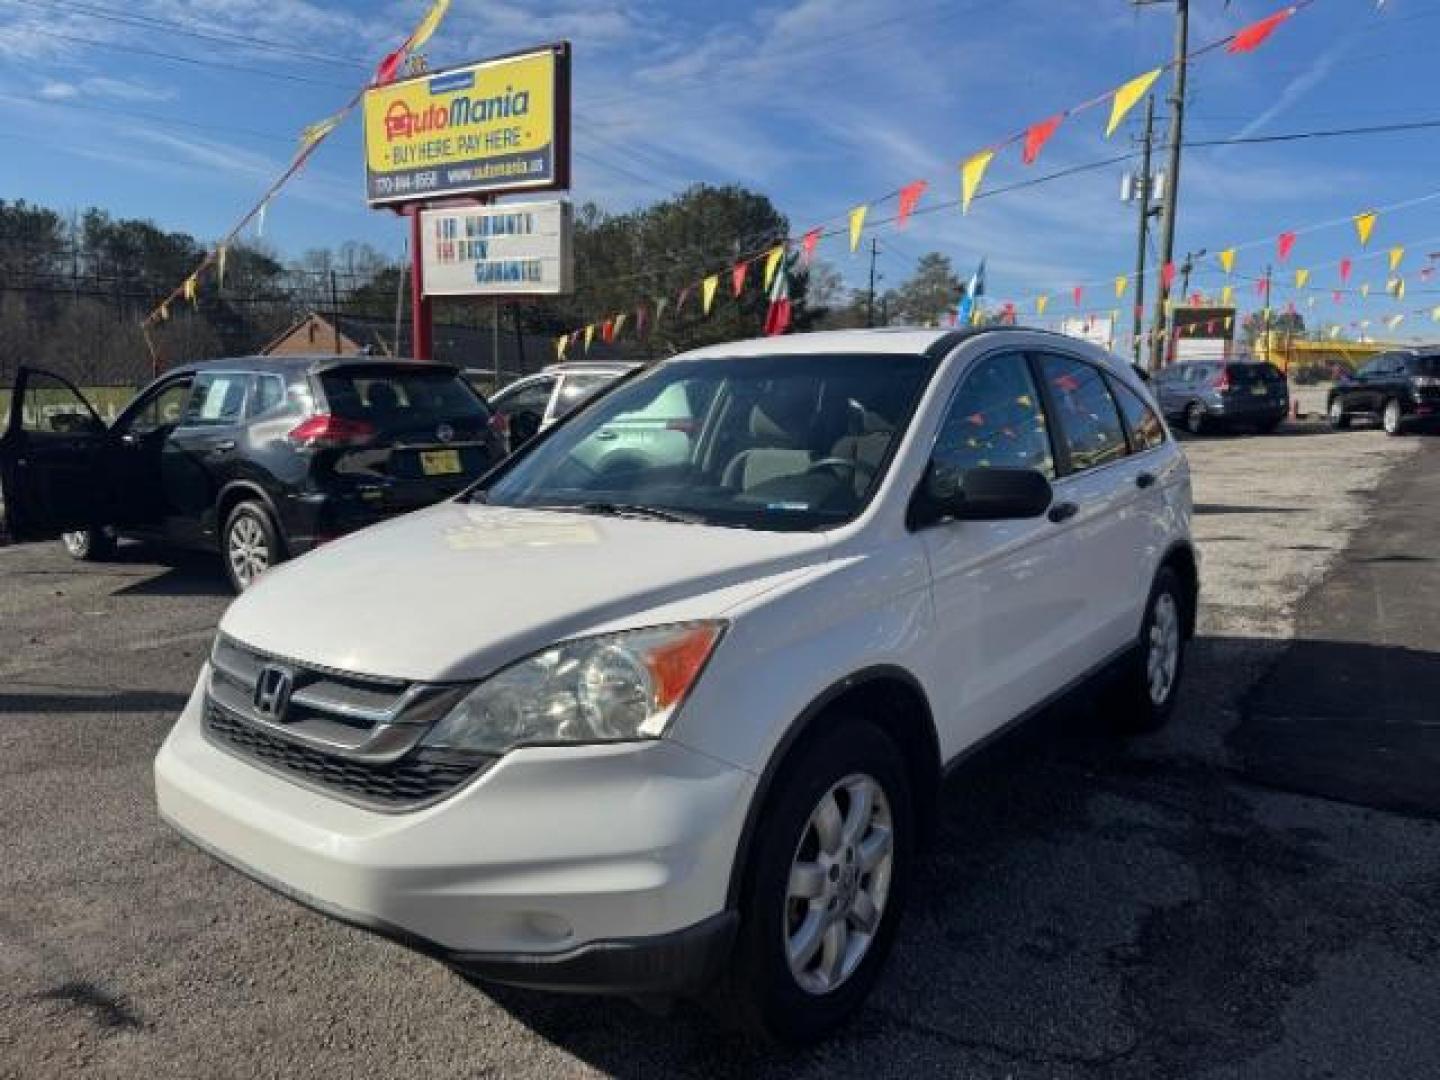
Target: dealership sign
{"x":515,"y":249}
{"x":488,"y":127}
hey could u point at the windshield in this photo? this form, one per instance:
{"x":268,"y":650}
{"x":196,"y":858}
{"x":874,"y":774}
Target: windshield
{"x":778,"y":443}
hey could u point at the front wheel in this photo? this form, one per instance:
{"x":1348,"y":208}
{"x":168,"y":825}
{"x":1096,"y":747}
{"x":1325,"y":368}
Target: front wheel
{"x":89,"y":545}
{"x":1338,"y":418}
{"x":250,"y":544}
{"x":1144,"y":695}
{"x":1392,"y":419}
{"x":824,"y":888}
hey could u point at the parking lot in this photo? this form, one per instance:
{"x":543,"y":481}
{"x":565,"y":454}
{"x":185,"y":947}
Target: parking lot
{"x":1254,"y":892}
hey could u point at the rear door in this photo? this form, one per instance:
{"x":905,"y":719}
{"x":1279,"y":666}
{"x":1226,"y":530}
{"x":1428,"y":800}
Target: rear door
{"x":199,"y":456}
{"x":52,"y":460}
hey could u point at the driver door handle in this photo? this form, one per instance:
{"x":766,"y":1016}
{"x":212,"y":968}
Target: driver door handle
{"x":1062,"y":512}
{"x":605,"y":433}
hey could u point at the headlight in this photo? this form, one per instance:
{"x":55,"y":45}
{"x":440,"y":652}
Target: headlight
{"x":609,"y":688}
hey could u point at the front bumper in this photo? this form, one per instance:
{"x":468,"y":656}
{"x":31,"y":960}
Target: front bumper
{"x":586,"y":868}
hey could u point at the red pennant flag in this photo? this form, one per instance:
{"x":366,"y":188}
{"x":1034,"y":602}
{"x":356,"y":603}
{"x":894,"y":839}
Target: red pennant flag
{"x":909,"y":196}
{"x":1038,"y":135}
{"x":1079,"y":291}
{"x":390,"y":67}
{"x":1167,"y":275}
{"x":1284,"y":244}
{"x":807,"y":245}
{"x":1253,"y":36}
{"x":737,"y":276}
{"x":684,"y":295}
{"x":1345,"y":265}
{"x":1008,"y":312}
{"x":607,"y":331}
{"x":1262,"y":286}
{"x":1195,"y":299}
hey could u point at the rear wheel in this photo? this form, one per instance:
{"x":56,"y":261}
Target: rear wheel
{"x":1195,"y":419}
{"x":824,"y":888}
{"x":1392,"y":419}
{"x":1143,"y":697}
{"x":1339,"y":420}
{"x":250,"y":544}
{"x":89,"y":545}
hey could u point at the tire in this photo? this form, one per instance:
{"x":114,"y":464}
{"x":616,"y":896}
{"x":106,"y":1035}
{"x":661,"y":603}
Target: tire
{"x":1143,"y":696}
{"x":1335,"y":413}
{"x":250,"y":544}
{"x":1393,"y":418}
{"x":89,"y":545}
{"x":761,"y":990}
{"x":1195,"y":420}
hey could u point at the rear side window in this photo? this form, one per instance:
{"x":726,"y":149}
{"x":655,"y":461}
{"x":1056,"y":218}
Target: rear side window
{"x":1423,"y":365}
{"x":391,"y":399}
{"x":1085,"y":413}
{"x":267,"y":394}
{"x":528,"y":399}
{"x":576,"y":388}
{"x":1146,"y":430}
{"x":217,"y":399}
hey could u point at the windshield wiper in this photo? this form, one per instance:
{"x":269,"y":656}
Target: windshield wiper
{"x":626,"y":510}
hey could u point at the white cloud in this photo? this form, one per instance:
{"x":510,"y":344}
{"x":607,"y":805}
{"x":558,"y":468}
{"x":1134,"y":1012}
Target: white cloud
{"x":54,"y":90}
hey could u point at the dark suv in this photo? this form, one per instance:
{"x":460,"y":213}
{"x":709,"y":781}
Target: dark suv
{"x":1401,"y":388}
{"x":261,"y":458}
{"x":1206,"y":394}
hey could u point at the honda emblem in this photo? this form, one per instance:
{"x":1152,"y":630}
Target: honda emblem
{"x":272,"y":691}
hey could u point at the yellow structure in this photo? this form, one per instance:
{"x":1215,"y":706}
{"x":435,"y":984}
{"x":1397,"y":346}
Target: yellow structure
{"x":1291,"y":354}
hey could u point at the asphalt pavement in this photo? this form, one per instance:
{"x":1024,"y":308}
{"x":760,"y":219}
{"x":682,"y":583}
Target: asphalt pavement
{"x":1253,"y":893}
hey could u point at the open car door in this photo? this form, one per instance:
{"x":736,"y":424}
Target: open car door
{"x":52,"y":474}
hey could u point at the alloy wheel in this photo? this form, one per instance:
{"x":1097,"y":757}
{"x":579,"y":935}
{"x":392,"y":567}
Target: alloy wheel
{"x":1195,"y":418}
{"x":1337,"y":412}
{"x":1162,"y":658}
{"x":839,"y":884}
{"x":1391,"y":417}
{"x":247,"y":549}
{"x":77,"y":544}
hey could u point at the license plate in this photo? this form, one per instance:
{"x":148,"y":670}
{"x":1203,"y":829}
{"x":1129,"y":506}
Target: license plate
{"x":439,"y":462}
{"x":1259,"y":391}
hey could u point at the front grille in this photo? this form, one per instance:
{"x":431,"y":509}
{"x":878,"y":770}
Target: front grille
{"x":418,"y":778}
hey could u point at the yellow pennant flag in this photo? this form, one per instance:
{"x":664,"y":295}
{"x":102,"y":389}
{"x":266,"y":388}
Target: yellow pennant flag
{"x":1227,"y":260}
{"x":191,"y":289}
{"x":317,"y":131}
{"x":1229,"y":321}
{"x":1301,"y":278}
{"x":560,"y":343}
{"x":1396,"y":254}
{"x":1435,"y":314}
{"x":772,"y":263}
{"x":220,"y":266}
{"x":589,"y":336}
{"x":1364,"y":226}
{"x":707,"y":291}
{"x":1121,"y":283}
{"x":1400,"y":289}
{"x":428,"y":25}
{"x":972,"y":171}
{"x":1365,"y":291}
{"x":1127,"y":96}
{"x":1040,"y":302}
{"x":1394,"y":321}
{"x":165,"y":312}
{"x":1227,"y":294}
{"x":619,"y":323}
{"x":857,"y":223}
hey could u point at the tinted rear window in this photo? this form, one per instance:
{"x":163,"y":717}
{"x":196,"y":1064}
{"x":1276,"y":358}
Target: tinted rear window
{"x":1245,"y":374}
{"x":390,"y":399}
{"x":1423,"y":365}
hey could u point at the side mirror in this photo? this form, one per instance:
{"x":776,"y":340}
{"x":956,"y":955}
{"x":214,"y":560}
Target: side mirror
{"x":983,"y":494}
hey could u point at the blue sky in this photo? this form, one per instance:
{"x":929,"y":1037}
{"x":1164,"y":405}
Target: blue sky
{"x":818,"y":103}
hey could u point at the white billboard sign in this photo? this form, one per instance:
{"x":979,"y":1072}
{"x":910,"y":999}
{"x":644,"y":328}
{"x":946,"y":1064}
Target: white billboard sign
{"x":514,"y":249}
{"x":1096,"y":329}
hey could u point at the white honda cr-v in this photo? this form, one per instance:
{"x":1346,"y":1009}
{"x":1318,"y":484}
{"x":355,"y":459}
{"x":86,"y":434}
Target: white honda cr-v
{"x":660,"y":726}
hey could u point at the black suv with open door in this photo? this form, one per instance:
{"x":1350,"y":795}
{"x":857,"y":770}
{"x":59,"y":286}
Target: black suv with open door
{"x":1401,"y":389}
{"x":260,"y":458}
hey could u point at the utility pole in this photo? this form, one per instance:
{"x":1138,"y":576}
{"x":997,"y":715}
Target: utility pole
{"x":870,"y":301}
{"x":1145,"y":212}
{"x":335,"y":311}
{"x":1186,"y":269}
{"x":1172,"y":175}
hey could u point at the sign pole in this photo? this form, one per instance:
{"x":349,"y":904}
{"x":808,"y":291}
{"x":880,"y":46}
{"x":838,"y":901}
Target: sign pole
{"x":421,"y":326}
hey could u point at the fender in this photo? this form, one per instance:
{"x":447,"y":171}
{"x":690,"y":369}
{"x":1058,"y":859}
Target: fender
{"x":250,"y":487}
{"x":797,"y":730}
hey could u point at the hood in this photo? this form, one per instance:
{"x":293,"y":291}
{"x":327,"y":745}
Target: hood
{"x":456,"y":591}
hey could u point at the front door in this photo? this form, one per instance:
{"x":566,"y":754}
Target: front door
{"x":52,"y":460}
{"x":139,"y":437}
{"x":1008,"y":605}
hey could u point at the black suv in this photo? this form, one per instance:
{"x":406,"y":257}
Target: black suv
{"x":261,"y":458}
{"x":1206,"y":394}
{"x":1402,"y":388}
